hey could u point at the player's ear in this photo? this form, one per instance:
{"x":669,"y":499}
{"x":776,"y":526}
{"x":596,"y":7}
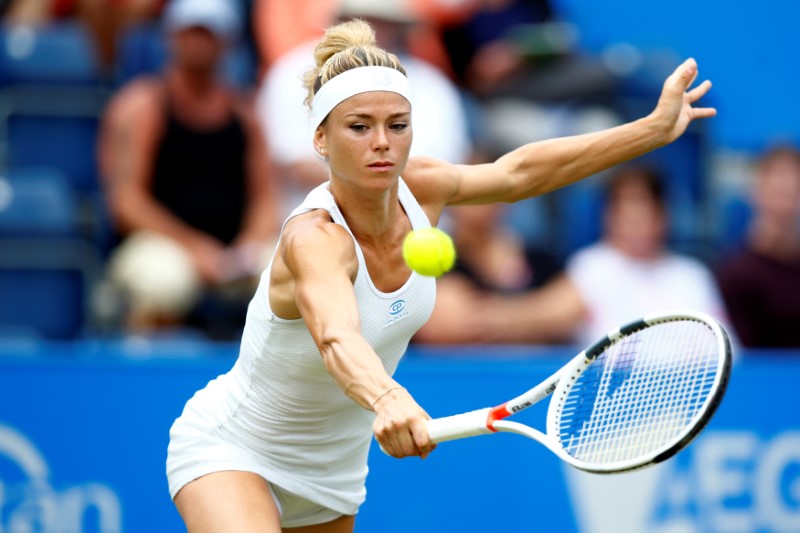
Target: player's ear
{"x":320,"y":142}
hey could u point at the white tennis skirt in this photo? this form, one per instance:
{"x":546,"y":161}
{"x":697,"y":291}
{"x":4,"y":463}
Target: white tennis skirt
{"x":195,"y":451}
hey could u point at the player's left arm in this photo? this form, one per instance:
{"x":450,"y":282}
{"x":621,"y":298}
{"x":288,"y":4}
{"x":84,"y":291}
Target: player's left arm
{"x":540,"y":167}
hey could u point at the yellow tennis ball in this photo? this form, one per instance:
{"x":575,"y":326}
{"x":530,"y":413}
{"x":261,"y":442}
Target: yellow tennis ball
{"x":429,"y":251}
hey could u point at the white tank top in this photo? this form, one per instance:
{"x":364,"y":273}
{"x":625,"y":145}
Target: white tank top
{"x":280,"y":403}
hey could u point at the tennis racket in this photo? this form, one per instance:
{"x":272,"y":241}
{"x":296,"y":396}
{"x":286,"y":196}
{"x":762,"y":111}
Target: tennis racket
{"x":632,"y":399}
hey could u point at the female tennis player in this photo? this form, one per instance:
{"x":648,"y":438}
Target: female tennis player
{"x":281,"y":440}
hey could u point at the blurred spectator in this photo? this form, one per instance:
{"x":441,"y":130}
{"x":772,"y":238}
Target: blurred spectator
{"x":761,"y":280}
{"x":632,"y":272}
{"x":523,"y":64}
{"x":527,"y":79}
{"x":479,"y":40}
{"x":492,"y":259}
{"x":188,"y":182}
{"x":282,"y":25}
{"x":440,"y":122}
{"x":629,"y":273}
{"x":105,"y":18}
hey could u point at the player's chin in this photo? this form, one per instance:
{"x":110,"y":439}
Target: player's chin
{"x":380,"y":180}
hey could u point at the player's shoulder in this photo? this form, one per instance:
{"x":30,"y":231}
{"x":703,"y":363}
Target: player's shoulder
{"x":422,"y":163}
{"x":312,"y":240}
{"x":428,"y":177}
{"x":314,"y":230}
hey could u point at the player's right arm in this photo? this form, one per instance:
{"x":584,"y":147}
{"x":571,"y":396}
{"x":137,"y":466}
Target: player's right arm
{"x":313,"y":275}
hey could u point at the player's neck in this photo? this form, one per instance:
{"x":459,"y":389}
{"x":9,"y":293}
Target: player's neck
{"x":370,"y":217}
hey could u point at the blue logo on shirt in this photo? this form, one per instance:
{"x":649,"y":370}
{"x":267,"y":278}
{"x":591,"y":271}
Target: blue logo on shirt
{"x":397,"y":307}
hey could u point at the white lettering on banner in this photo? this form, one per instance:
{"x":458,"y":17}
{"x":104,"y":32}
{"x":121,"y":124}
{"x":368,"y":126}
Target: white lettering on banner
{"x":29,"y":503}
{"x":725,"y":482}
{"x":778,"y":481}
{"x":726,"y":462}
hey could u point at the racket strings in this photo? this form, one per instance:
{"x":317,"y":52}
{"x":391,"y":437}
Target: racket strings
{"x":648,"y":423}
{"x":640,"y":394}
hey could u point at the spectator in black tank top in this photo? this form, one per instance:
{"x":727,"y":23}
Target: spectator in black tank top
{"x":188,"y":183}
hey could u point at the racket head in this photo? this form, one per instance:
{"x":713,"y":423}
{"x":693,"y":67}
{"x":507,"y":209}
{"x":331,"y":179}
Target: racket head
{"x":641,"y":394}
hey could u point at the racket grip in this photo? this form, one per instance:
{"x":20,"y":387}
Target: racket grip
{"x":470,"y":424}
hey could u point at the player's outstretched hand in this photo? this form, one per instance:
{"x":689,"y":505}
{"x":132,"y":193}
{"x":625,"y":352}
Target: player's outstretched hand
{"x":400,"y":425}
{"x":675,"y":109}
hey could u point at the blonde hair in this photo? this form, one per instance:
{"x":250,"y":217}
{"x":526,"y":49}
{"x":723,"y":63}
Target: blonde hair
{"x":346,"y":46}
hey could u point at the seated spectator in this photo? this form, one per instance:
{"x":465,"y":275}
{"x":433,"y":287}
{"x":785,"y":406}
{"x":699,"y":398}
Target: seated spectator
{"x":629,"y":273}
{"x":188,"y":182}
{"x":761,"y":280}
{"x":440,"y":121}
{"x":492,"y":259}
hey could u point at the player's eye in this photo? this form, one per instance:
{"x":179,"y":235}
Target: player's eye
{"x":399,"y":126}
{"x":358,"y":127}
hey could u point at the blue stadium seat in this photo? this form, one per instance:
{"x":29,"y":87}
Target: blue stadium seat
{"x":57,"y":128}
{"x":41,"y":127}
{"x":578,"y":209}
{"x":531,"y":218}
{"x":52,"y":92}
{"x":47,"y":269}
{"x":733,"y":217}
{"x":37,"y":202}
{"x":47,"y":303}
{"x":45,"y":285}
{"x":59,"y":53}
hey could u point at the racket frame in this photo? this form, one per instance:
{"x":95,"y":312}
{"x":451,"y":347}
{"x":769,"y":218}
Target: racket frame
{"x":492,"y":419}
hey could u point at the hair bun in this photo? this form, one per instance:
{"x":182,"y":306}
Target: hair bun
{"x":351,"y":34}
{"x":351,"y":44}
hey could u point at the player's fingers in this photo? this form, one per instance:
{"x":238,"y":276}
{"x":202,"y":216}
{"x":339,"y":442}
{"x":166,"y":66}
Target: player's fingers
{"x":681,"y":79}
{"x":689,"y":70}
{"x":704,"y":112}
{"x":383,"y":442}
{"x":396,"y":439}
{"x":392,"y":445}
{"x":425,"y":451}
{"x":699,"y":91}
{"x":419,"y":432}
{"x":694,"y":72}
{"x":406,"y":441}
{"x":387,"y":439}
{"x":683,"y":74}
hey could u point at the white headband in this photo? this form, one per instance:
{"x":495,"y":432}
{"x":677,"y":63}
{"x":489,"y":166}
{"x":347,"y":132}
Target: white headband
{"x":352,"y":82}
